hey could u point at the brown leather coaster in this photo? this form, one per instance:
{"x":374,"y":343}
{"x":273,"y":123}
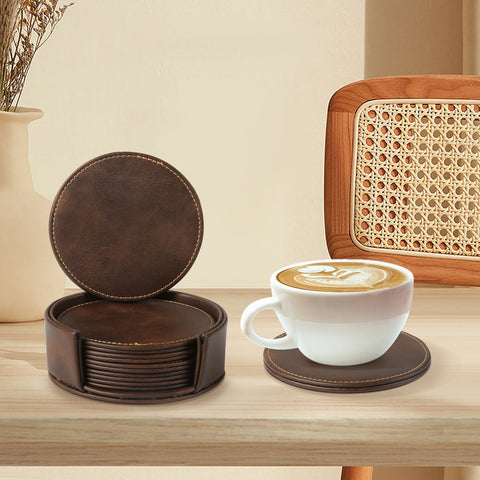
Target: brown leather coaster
{"x":134,"y":380}
{"x":131,"y":387}
{"x":163,"y":371}
{"x":153,"y":396}
{"x":114,"y":359}
{"x":162,"y":322}
{"x":143,"y":351}
{"x":125,"y":368}
{"x":144,"y":398}
{"x":406,"y":360}
{"x":126,"y":226}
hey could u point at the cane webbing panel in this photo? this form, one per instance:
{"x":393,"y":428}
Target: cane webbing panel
{"x":416,"y":177}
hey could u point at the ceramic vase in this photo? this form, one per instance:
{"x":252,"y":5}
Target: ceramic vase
{"x":29,"y":275}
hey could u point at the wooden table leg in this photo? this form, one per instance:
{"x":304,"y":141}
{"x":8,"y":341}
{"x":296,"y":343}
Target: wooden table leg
{"x":357,"y":473}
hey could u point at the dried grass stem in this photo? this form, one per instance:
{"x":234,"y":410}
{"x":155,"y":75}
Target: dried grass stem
{"x":25,"y":25}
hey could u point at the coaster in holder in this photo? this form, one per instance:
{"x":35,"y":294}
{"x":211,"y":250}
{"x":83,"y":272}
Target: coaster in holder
{"x":137,"y":387}
{"x":158,"y":322}
{"x":69,"y":368}
{"x":158,"y":369}
{"x":125,"y":368}
{"x":134,"y":380}
{"x":406,"y":360}
{"x":141,"y":361}
{"x":130,"y":350}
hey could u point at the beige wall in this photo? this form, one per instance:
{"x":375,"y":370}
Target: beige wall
{"x":471,"y":37}
{"x":234,"y":94}
{"x":411,"y":37}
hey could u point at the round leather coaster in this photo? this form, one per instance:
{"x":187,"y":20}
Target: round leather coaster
{"x":144,"y":398}
{"x":143,"y":351}
{"x":125,"y":368}
{"x":140,"y":361}
{"x":134,"y":380}
{"x":156,"y":322}
{"x":406,"y":360}
{"x":126,"y":226}
{"x":153,"y":394}
{"x":161,"y":371}
{"x":129,"y":387}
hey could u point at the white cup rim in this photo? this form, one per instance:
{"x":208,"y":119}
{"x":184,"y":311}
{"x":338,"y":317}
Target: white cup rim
{"x":275,"y":281}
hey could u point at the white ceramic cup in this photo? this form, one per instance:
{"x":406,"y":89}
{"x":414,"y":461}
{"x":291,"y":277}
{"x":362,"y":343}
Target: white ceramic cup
{"x":332,"y":327}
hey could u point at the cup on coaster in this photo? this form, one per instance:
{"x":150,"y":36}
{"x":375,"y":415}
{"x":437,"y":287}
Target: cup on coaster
{"x":336,"y":312}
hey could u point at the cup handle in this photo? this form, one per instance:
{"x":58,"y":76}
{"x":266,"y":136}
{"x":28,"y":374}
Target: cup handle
{"x":246,"y":324}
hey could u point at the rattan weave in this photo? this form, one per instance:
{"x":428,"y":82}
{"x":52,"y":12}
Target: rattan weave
{"x":416,"y":177}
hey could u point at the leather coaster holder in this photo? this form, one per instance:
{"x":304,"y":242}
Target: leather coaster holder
{"x":406,"y":361}
{"x":126,"y":227}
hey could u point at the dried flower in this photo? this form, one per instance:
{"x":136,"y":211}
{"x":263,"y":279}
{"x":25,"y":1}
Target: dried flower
{"x":8,"y":11}
{"x":25,"y":25}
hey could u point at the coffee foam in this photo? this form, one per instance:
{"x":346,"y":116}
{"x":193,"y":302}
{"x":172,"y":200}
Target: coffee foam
{"x":342,"y":277}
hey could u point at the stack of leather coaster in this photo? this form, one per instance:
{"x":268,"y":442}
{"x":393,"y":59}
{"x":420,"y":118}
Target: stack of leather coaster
{"x":126,"y":227}
{"x":162,"y":361}
{"x":137,"y":372}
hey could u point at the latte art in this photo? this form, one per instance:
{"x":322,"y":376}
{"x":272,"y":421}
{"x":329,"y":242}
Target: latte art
{"x":342,"y":276}
{"x":326,"y":275}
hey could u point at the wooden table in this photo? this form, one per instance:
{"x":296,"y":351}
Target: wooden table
{"x":251,"y":418}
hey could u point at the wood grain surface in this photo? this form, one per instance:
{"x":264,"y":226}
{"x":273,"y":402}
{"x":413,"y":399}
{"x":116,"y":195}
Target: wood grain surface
{"x":251,"y":418}
{"x":338,"y":170}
